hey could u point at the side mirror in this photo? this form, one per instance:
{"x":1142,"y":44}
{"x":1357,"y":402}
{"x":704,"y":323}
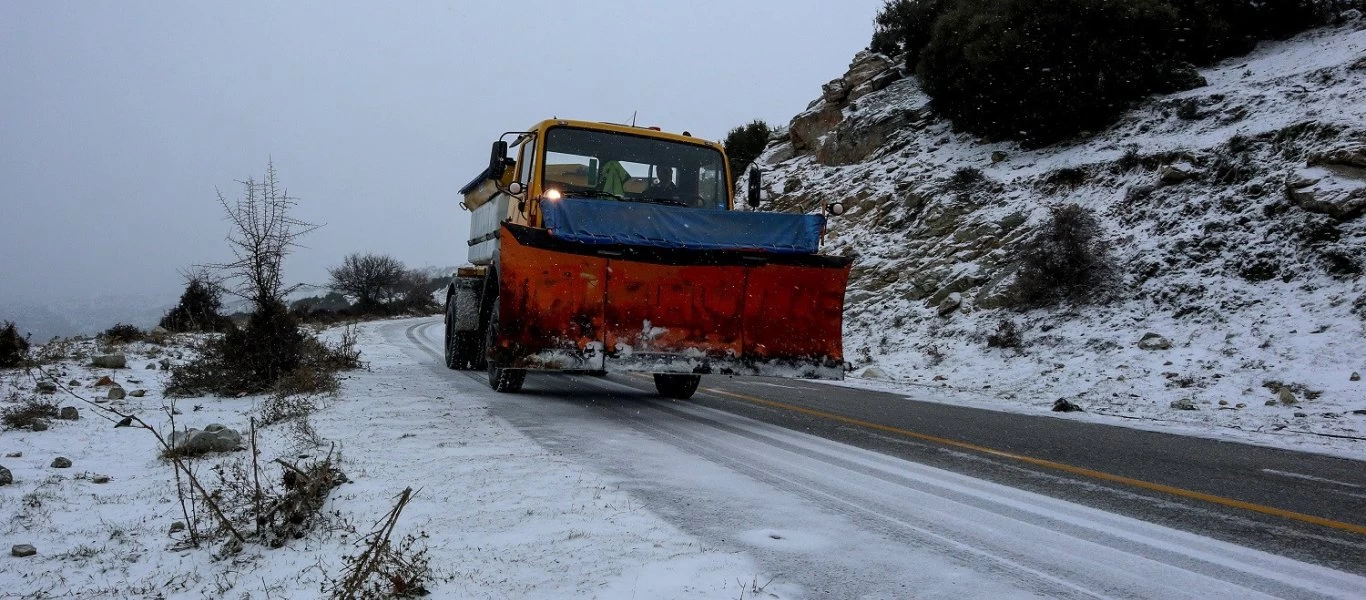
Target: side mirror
{"x":753,"y":188}
{"x":498,"y":160}
{"x":515,"y":188}
{"x":835,"y":208}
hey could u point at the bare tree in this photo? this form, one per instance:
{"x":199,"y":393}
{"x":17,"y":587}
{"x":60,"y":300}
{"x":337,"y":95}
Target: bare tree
{"x":372,"y":278}
{"x":262,"y":233}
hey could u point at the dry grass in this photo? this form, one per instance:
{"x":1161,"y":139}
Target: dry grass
{"x":27,"y":412}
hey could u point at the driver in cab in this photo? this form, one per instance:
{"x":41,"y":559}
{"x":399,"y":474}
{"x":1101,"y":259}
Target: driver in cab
{"x":663,"y":187}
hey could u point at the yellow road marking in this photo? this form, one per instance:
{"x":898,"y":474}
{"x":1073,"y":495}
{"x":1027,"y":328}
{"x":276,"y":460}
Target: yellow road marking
{"x":1092,"y":473}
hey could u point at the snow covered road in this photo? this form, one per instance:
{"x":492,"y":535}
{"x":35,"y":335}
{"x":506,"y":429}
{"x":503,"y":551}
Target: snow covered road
{"x":824,"y":519}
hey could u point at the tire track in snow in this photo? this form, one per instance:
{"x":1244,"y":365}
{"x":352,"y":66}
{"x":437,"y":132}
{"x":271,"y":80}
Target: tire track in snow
{"x":1048,"y":546}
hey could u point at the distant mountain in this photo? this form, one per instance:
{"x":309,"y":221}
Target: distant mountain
{"x":84,"y":315}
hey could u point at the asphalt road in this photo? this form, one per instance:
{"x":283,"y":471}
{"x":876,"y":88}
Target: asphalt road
{"x":1280,"y":487}
{"x":1305,"y":507}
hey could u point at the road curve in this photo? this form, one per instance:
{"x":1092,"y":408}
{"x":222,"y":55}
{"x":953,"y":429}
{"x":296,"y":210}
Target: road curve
{"x":857,"y":494}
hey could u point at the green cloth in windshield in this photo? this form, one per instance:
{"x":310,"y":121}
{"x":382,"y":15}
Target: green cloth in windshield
{"x":613,"y":177}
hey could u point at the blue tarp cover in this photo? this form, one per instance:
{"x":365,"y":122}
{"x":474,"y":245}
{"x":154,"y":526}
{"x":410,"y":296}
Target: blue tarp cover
{"x":595,"y":221}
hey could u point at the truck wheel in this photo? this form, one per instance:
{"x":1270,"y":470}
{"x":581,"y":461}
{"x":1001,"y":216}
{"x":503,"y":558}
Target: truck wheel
{"x":501,"y":379}
{"x":679,"y":387}
{"x":454,"y":360}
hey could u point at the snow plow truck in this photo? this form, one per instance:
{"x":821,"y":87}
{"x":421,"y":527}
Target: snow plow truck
{"x":599,"y":248}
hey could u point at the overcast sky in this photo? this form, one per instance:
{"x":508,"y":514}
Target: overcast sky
{"x":119,"y":119}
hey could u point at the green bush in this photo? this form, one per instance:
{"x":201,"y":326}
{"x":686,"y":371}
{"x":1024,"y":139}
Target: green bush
{"x":1040,"y":71}
{"x":744,"y":144}
{"x":199,"y":308}
{"x":123,"y":333}
{"x":1043,"y":70}
{"x":906,"y":26}
{"x":13,"y":347}
{"x":246,"y":360}
{"x":1214,"y":29}
{"x":1068,"y":260}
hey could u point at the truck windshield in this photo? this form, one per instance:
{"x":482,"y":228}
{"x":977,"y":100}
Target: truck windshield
{"x":602,"y":164}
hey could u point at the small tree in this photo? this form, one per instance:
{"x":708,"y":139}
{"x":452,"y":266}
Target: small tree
{"x":372,"y":278}
{"x":744,"y":144}
{"x":13,"y":347}
{"x":414,"y":292}
{"x":252,"y":359}
{"x":1069,"y":260}
{"x":262,"y":234}
{"x":200,"y":307}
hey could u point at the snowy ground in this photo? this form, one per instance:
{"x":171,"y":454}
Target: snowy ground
{"x":505,"y":518}
{"x":624,"y":498}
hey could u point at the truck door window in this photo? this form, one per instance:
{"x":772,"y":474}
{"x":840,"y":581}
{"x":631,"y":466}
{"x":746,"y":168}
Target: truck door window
{"x":524,"y":159}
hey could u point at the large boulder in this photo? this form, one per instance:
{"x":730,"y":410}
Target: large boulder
{"x":116,"y":360}
{"x":1153,"y":341}
{"x":1336,"y":190}
{"x":836,"y":140}
{"x":213,"y":438}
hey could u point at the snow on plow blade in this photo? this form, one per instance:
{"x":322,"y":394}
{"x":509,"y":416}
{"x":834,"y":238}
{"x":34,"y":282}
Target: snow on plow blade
{"x":624,"y":307}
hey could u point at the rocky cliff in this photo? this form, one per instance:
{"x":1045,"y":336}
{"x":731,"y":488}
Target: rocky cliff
{"x":1234,"y":212}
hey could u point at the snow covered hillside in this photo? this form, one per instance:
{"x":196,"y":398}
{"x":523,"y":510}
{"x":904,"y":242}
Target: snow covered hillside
{"x":1235,"y":211}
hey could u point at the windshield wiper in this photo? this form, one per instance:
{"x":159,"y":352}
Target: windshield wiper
{"x":592,"y":194}
{"x":668,"y":201}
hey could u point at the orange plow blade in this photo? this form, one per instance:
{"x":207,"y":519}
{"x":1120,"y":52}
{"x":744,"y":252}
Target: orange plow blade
{"x":568,"y":306}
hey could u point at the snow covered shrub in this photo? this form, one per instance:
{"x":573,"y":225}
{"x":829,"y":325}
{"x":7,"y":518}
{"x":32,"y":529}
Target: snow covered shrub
{"x":1007,"y":335}
{"x":268,"y":347}
{"x":966,"y":177}
{"x":1068,"y":260}
{"x":198,"y":309}
{"x":246,"y":360}
{"x":122,"y":333}
{"x":29,"y":411}
{"x":744,"y":144}
{"x":1043,"y":70}
{"x":268,"y":354}
{"x":13,"y":347}
{"x":278,"y":408}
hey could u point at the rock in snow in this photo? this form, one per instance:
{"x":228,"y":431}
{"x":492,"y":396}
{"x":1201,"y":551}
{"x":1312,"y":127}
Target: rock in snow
{"x":22,"y":550}
{"x":110,"y":361}
{"x":1153,"y":341}
{"x":1286,"y":396}
{"x":213,"y":438}
{"x":1184,"y":404}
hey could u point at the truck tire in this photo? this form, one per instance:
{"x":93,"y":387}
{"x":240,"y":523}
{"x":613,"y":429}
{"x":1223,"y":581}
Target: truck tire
{"x":501,"y":379}
{"x":677,"y":386}
{"x":452,"y":353}
{"x":462,"y":347}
